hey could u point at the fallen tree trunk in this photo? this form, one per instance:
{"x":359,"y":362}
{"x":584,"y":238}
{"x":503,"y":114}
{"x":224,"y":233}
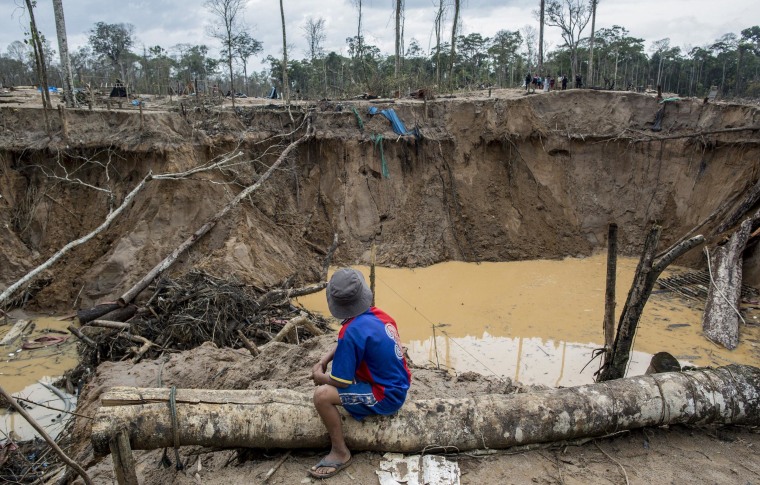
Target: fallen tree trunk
{"x":286,"y":419}
{"x":720,"y":321}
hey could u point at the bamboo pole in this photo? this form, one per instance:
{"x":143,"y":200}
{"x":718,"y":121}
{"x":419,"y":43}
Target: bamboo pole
{"x":280,"y":418}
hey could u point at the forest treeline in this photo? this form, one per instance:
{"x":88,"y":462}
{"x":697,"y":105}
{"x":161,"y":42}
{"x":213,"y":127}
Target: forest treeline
{"x":619,"y":61}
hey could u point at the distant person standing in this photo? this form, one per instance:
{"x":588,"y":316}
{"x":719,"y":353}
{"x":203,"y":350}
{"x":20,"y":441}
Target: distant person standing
{"x":551,"y":84}
{"x":564,"y":82}
{"x":528,"y":80}
{"x":578,"y":81}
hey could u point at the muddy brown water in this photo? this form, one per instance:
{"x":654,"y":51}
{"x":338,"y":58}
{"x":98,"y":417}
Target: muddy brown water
{"x":22,"y":370}
{"x":537,"y":321}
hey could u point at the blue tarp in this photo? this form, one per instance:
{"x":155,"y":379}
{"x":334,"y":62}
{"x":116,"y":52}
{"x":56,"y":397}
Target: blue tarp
{"x":52,"y":89}
{"x":398,"y":126}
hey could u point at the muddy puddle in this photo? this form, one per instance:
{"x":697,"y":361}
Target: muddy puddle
{"x":28,"y":373}
{"x":535,"y":321}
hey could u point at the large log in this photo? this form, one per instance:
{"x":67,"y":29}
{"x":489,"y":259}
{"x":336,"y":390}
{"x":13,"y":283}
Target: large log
{"x":286,"y":419}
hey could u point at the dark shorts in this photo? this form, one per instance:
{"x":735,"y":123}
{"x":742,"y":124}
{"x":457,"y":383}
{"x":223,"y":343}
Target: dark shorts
{"x":359,"y":401}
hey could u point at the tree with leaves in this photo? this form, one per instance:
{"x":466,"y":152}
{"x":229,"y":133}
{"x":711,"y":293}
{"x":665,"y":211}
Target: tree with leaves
{"x":39,"y":55}
{"x":503,"y":51}
{"x":571,"y":17}
{"x":226,"y":27}
{"x":246,"y":46}
{"x":113,"y":42}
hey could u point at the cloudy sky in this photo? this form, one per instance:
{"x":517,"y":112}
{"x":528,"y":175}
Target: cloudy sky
{"x":687,"y":23}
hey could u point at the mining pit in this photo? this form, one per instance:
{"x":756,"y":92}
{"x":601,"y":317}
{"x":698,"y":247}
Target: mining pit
{"x":502,"y":179}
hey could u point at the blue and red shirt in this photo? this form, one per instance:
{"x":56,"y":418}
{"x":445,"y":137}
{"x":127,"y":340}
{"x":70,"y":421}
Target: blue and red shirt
{"x":369,"y":350}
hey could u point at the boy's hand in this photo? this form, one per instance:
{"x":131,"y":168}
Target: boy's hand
{"x":318,"y":373}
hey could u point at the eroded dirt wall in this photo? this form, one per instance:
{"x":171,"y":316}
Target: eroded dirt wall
{"x":491,"y":179}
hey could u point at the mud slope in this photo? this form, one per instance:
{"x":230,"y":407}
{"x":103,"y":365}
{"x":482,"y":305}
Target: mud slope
{"x":489,"y":179}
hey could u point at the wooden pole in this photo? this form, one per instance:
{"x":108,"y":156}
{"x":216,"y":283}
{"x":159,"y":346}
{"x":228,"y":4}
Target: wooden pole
{"x":372,"y":273}
{"x":609,"y":295}
{"x":123,"y":461}
{"x":50,"y":441}
{"x":281,"y":418}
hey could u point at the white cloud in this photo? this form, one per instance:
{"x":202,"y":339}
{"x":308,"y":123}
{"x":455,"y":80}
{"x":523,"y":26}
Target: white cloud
{"x":168,"y":22}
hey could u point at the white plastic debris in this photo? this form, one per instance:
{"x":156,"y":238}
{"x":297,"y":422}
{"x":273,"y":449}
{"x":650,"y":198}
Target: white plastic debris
{"x":396,"y":469}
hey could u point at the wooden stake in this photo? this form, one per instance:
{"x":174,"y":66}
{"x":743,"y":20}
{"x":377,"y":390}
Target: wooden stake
{"x":50,"y":441}
{"x":372,"y":273}
{"x":123,"y":461}
{"x":609,"y":296}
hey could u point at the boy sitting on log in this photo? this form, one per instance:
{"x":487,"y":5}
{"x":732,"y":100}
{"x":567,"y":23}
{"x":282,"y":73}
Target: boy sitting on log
{"x":369,"y":374}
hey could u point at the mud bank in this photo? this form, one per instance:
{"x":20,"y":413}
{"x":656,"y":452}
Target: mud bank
{"x":488,"y":180}
{"x":501,"y":179}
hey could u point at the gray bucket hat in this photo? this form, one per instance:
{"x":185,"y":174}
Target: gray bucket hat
{"x":347,"y":294}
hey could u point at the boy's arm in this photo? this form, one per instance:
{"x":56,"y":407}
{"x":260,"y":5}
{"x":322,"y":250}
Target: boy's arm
{"x":327,"y":358}
{"x":319,"y":376}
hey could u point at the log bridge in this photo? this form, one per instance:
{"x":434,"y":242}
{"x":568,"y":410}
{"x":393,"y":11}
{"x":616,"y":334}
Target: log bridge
{"x":144,"y":419}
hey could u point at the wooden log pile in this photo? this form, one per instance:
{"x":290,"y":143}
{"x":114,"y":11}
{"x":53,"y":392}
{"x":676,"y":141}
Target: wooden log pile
{"x":183,"y":314}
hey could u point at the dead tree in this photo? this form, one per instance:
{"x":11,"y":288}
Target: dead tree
{"x":454,"y":29}
{"x":720,"y":321}
{"x":647,"y":272}
{"x":63,"y":48}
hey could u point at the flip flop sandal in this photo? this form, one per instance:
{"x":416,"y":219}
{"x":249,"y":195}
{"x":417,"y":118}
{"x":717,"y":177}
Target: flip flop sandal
{"x":332,"y":464}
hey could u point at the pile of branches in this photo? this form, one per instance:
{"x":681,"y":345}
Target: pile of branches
{"x":185,"y":313}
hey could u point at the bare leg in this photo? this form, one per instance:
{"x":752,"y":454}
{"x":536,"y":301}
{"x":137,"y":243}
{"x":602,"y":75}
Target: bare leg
{"x":326,"y":399}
